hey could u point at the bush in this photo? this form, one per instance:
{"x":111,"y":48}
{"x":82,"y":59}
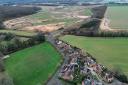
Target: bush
{"x":39,"y":37}
{"x":120,"y":75}
{"x":9,"y":36}
{"x":122,"y":78}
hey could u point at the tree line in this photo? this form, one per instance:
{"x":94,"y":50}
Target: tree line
{"x":9,"y":12}
{"x":91,"y":29}
{"x":19,"y":44}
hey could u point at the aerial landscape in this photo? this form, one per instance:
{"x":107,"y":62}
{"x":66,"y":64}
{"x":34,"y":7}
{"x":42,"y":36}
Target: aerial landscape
{"x":64,"y":42}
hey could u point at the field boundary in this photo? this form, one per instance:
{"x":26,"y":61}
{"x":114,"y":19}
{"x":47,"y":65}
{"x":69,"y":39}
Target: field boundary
{"x":59,"y":66}
{"x":104,"y":26}
{"x":105,"y":23}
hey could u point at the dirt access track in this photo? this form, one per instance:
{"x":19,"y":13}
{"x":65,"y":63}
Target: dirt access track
{"x":104,"y":26}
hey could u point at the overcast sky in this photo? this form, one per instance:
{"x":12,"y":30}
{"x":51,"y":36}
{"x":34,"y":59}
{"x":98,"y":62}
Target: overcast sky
{"x":3,"y":1}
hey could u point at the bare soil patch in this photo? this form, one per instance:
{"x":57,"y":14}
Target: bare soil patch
{"x":45,"y":28}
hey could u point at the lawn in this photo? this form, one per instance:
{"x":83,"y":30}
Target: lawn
{"x":118,"y":16}
{"x":33,"y":66}
{"x":20,"y":33}
{"x":111,"y":52}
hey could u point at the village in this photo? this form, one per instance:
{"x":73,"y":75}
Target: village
{"x":82,"y":67}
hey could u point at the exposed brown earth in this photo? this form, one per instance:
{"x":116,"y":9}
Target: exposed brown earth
{"x":45,"y":28}
{"x":19,"y":23}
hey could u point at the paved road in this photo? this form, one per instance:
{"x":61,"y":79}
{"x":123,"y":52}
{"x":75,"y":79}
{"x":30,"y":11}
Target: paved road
{"x":54,"y":80}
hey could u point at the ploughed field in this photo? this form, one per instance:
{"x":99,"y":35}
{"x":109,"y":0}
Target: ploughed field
{"x":111,"y":52}
{"x":33,"y":66}
{"x":118,"y":17}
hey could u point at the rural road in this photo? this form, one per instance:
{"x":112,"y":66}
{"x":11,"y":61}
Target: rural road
{"x":54,"y":80}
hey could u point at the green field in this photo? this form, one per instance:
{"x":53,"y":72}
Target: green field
{"x":33,"y":66}
{"x":50,"y":15}
{"x":54,"y":21}
{"x":87,"y":12}
{"x":19,"y":33}
{"x":111,"y":52}
{"x":51,"y":19}
{"x":118,"y":16}
{"x":41,"y":15}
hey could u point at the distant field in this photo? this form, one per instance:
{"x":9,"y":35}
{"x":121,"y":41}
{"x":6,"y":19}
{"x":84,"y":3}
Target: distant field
{"x":56,"y":15}
{"x":20,"y":33}
{"x":64,"y":15}
{"x":118,"y":16}
{"x":51,"y":18}
{"x":54,"y":21}
{"x":87,"y":12}
{"x":111,"y":52}
{"x":33,"y":66}
{"x":41,"y":15}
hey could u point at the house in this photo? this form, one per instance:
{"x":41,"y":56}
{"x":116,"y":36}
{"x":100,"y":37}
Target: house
{"x":109,"y":77}
{"x":91,"y":81}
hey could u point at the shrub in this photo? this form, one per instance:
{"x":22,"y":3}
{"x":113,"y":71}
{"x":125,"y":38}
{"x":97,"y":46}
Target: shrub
{"x":120,"y":75}
{"x":16,"y":44}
